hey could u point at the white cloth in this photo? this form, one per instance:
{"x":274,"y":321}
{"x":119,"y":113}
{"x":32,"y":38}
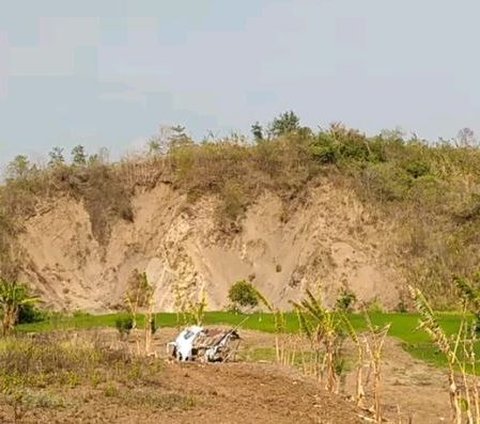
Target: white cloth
{"x":184,"y":342}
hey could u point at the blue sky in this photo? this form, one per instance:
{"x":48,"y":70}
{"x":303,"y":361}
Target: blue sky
{"x":109,"y":72}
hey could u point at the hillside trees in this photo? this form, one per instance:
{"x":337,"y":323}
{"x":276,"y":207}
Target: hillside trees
{"x":466,"y":138}
{"x":257,"y":132}
{"x":79,"y":156}
{"x":57,"y":157}
{"x":18,"y":168}
{"x":286,"y":123}
{"x":282,"y":125}
{"x":168,"y":138}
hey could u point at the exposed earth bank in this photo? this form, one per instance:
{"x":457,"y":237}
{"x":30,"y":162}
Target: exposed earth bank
{"x":326,"y":237}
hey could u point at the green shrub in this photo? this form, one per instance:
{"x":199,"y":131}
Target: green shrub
{"x":243,"y":294}
{"x":124,"y":325}
{"x":384,"y":183}
{"x":322,"y":149}
{"x":350,"y":144}
{"x":346,"y":300}
{"x":29,"y":313}
{"x":417,"y":168}
{"x":78,"y":313}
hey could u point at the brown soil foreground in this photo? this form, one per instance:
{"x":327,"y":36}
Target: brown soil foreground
{"x":186,"y":393}
{"x":412,"y":391}
{"x":253,"y":390}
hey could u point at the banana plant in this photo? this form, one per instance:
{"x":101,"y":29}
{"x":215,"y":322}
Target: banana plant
{"x":13,"y":296}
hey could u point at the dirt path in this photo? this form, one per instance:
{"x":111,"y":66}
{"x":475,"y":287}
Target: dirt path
{"x":411,"y":389}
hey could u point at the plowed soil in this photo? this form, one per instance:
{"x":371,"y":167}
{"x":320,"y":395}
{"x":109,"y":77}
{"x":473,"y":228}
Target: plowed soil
{"x":194,"y":393}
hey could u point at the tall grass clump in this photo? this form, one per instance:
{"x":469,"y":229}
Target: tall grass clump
{"x":194,"y":313}
{"x":54,"y":359}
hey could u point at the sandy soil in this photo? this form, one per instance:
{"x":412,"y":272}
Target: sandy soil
{"x":328,"y":237}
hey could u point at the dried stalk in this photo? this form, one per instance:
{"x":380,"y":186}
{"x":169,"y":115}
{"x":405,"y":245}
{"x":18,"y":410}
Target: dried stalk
{"x":149,"y":327}
{"x":374,"y":347}
{"x":360,"y":345}
{"x":429,"y":323}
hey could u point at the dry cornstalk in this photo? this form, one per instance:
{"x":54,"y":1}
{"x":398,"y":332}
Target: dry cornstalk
{"x":374,"y":347}
{"x":360,"y":344}
{"x":429,"y":323}
{"x":149,"y":327}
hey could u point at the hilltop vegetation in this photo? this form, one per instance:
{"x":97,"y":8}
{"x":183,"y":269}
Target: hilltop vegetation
{"x":428,"y":193}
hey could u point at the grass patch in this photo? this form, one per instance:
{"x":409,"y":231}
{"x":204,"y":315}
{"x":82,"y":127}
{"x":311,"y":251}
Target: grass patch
{"x":157,"y":401}
{"x":31,"y":399}
{"x":266,"y":354}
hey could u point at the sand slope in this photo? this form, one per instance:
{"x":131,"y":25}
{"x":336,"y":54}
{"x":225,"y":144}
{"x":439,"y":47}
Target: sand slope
{"x":328,"y":237}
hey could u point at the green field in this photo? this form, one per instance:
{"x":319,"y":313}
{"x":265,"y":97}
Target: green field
{"x":403,"y":326}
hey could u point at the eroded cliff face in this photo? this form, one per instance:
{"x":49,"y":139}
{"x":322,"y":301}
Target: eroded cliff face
{"x":327,"y":239}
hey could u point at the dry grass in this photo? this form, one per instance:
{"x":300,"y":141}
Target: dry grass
{"x":40,"y":374}
{"x":59,"y":359}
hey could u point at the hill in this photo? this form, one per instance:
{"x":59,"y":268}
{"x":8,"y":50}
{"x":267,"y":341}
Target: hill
{"x":288,"y":211}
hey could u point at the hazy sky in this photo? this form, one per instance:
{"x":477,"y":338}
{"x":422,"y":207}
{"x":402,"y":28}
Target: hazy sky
{"x":109,"y":72}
